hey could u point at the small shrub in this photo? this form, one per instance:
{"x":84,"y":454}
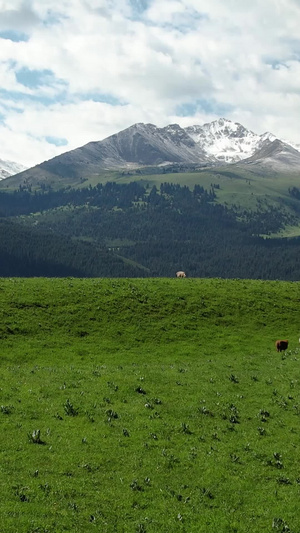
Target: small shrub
{"x":73,"y":506}
{"x":284,"y":481}
{"x":261,"y":430}
{"x":185,"y":429}
{"x":21,"y":493}
{"x":107,"y":400}
{"x":140,"y":528}
{"x":69,"y":408}
{"x":111,"y":414}
{"x":207,"y":493}
{"x":6,"y":409}
{"x":154,"y":415}
{"x":264,"y":415}
{"x":234,"y":458}
{"x":140,"y":390}
{"x":281,"y":525}
{"x":35,"y":437}
{"x":232,"y":414}
{"x":204,"y":411}
{"x":157,"y":401}
{"x":135,"y":486}
{"x":277,"y":456}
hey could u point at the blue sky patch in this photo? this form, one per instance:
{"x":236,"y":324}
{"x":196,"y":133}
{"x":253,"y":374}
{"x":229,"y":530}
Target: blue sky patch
{"x":57,"y":141}
{"x":14,"y":96}
{"x":139,"y":6}
{"x":34,"y":78}
{"x":203,"y":104}
{"x":13,"y":35}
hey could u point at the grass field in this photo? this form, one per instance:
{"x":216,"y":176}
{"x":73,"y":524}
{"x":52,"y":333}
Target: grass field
{"x":149,"y":405}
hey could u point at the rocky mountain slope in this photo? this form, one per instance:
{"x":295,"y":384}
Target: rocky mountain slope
{"x":277,"y":155}
{"x":140,"y":145}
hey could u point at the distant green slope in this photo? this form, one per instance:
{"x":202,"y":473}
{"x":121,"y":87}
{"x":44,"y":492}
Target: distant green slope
{"x":238,"y":185}
{"x":137,"y":230}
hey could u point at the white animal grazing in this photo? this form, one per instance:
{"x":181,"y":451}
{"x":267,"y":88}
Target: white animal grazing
{"x":180,"y":274}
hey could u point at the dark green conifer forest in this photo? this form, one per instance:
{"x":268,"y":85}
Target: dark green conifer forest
{"x":133,"y":230}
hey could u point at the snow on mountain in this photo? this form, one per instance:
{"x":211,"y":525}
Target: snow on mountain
{"x":227,"y":141}
{"x":9,"y":168}
{"x":293,"y":145}
{"x":141,"y":145}
{"x":276,"y":155}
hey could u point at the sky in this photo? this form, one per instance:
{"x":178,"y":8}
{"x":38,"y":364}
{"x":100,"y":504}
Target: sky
{"x":75,"y":71}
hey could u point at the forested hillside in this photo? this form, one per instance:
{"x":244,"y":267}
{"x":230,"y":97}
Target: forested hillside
{"x":136,"y":230}
{"x":27,"y":252}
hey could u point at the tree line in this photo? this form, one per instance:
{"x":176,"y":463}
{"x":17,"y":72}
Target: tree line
{"x":135,"y":230}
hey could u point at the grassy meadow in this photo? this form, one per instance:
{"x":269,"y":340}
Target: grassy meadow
{"x":241,"y":186}
{"x":149,"y":405}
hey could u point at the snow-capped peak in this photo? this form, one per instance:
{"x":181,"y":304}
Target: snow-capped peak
{"x":9,"y":168}
{"x":227,"y":141}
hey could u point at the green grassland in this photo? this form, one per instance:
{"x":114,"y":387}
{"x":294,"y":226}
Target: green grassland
{"x":239,"y":185}
{"x":236,"y":181}
{"x":149,"y":405}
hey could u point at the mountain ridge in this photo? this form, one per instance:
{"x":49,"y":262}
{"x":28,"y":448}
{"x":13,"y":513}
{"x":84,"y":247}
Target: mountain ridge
{"x":140,"y":145}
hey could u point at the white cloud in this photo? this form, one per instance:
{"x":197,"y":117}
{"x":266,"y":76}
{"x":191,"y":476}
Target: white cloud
{"x":17,"y":15}
{"x":142,"y":61}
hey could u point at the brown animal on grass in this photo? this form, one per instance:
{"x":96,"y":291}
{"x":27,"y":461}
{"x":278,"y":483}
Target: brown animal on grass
{"x":281,"y":346}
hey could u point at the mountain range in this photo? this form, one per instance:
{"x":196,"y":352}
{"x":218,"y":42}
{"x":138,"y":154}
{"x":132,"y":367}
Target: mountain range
{"x":141,"y":145}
